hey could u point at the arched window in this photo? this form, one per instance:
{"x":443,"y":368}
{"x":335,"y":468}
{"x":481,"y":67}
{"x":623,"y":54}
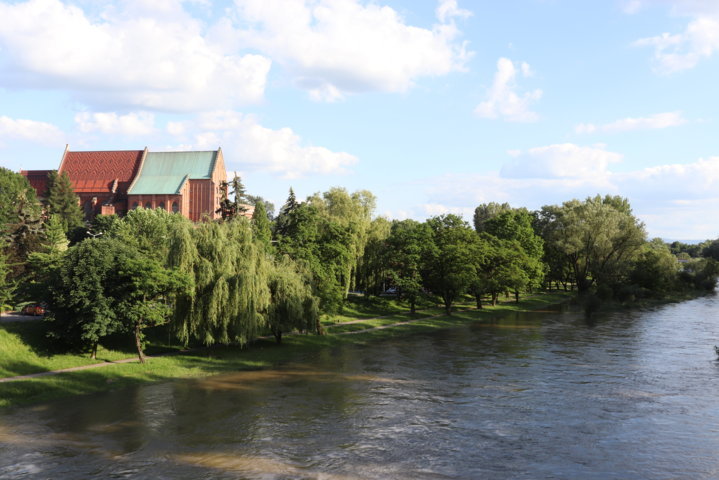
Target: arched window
{"x":135,"y":205}
{"x":175,"y":207}
{"x":148,"y":205}
{"x":161,"y":205}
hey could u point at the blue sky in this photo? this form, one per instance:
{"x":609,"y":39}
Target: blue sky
{"x":434,"y":106}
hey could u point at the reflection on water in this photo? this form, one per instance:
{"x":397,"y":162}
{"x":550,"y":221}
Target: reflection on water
{"x":538,"y":395}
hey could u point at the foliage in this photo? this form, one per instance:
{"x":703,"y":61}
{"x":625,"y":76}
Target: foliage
{"x":146,"y":230}
{"x":62,"y":201}
{"x":104,"y":286}
{"x":7,"y":286}
{"x":656,"y":269}
{"x":406,"y":251}
{"x":228,"y":272}
{"x":449,"y":260}
{"x":230,"y":209}
{"x":82,"y":308}
{"x":372,"y":268}
{"x":701,"y":274}
{"x":55,"y":239}
{"x":20,"y":222}
{"x":487,"y":211}
{"x":269,"y":207}
{"x":261,"y":226}
{"x":516,"y":226}
{"x":598,"y":238}
{"x":292,"y":305}
{"x":103,"y":224}
{"x":142,"y":291}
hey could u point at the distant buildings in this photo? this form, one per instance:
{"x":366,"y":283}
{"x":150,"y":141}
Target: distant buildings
{"x":107,"y":182}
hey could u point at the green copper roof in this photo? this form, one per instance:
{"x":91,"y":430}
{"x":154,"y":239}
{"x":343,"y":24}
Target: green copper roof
{"x":166,"y":172}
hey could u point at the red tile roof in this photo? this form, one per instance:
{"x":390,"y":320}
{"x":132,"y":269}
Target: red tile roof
{"x":95,"y":172}
{"x":37,"y":179}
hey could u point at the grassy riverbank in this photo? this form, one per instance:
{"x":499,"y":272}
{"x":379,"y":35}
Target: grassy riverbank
{"x":25,"y":350}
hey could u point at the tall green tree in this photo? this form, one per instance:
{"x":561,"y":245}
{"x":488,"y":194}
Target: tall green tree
{"x":228,"y":271}
{"x":449,"y":260}
{"x":405,"y":254}
{"x":20,"y":221}
{"x":143,"y":291}
{"x":61,"y":200}
{"x":599,"y":239}
{"x":82,"y":309}
{"x":515,"y":225}
{"x":373,"y":270}
{"x":230,"y":209}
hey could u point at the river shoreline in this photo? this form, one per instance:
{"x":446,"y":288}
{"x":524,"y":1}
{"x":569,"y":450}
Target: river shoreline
{"x":263,"y":353}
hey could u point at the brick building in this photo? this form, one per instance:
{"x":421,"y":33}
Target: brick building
{"x":116,"y":181}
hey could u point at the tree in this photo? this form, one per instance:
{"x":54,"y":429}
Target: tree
{"x":499,"y":267}
{"x":104,"y":286}
{"x":655,"y":269}
{"x":16,"y":195}
{"x":516,"y":225}
{"x":292,"y":305}
{"x":599,"y":238}
{"x":372,"y":269}
{"x":82,"y":310}
{"x":487,"y":211}
{"x":142,"y":291}
{"x":20,"y":222}
{"x":230,"y":209}
{"x":269,"y":207}
{"x":228,"y":271}
{"x":448,"y":266}
{"x":7,"y":287}
{"x":61,"y":200}
{"x":147,"y":230}
{"x":404,"y":257}
{"x":261,"y":226}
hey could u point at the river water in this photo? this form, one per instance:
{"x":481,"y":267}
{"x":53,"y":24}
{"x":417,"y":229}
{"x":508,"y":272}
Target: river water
{"x":543,"y":395}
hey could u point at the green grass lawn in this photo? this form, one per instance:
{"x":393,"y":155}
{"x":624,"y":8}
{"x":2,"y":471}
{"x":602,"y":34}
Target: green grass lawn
{"x":25,"y":349}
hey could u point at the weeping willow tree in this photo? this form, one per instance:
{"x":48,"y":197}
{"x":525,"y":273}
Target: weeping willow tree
{"x":229,"y":272}
{"x":292,"y":305}
{"x":351,"y":213}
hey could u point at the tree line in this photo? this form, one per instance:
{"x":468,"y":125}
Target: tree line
{"x":231,"y":280}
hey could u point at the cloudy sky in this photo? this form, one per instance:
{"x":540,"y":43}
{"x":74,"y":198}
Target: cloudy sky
{"x":434,"y":106}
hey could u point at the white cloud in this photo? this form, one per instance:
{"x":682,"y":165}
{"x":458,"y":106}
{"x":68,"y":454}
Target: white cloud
{"x":138,"y":54}
{"x":677,"y":201}
{"x":566,"y":160}
{"x":139,"y":123}
{"x":448,"y":9}
{"x":30,"y":130}
{"x":504,"y":100}
{"x":248,"y":144}
{"x":338,"y":47}
{"x":435,"y":209}
{"x":657,"y":121}
{"x":700,"y":39}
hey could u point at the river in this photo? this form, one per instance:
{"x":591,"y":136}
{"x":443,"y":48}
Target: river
{"x":542,"y":395}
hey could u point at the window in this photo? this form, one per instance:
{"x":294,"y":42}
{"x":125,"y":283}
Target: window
{"x":161,"y":205}
{"x":148,"y":205}
{"x":175,"y":207}
{"x":135,"y":205}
